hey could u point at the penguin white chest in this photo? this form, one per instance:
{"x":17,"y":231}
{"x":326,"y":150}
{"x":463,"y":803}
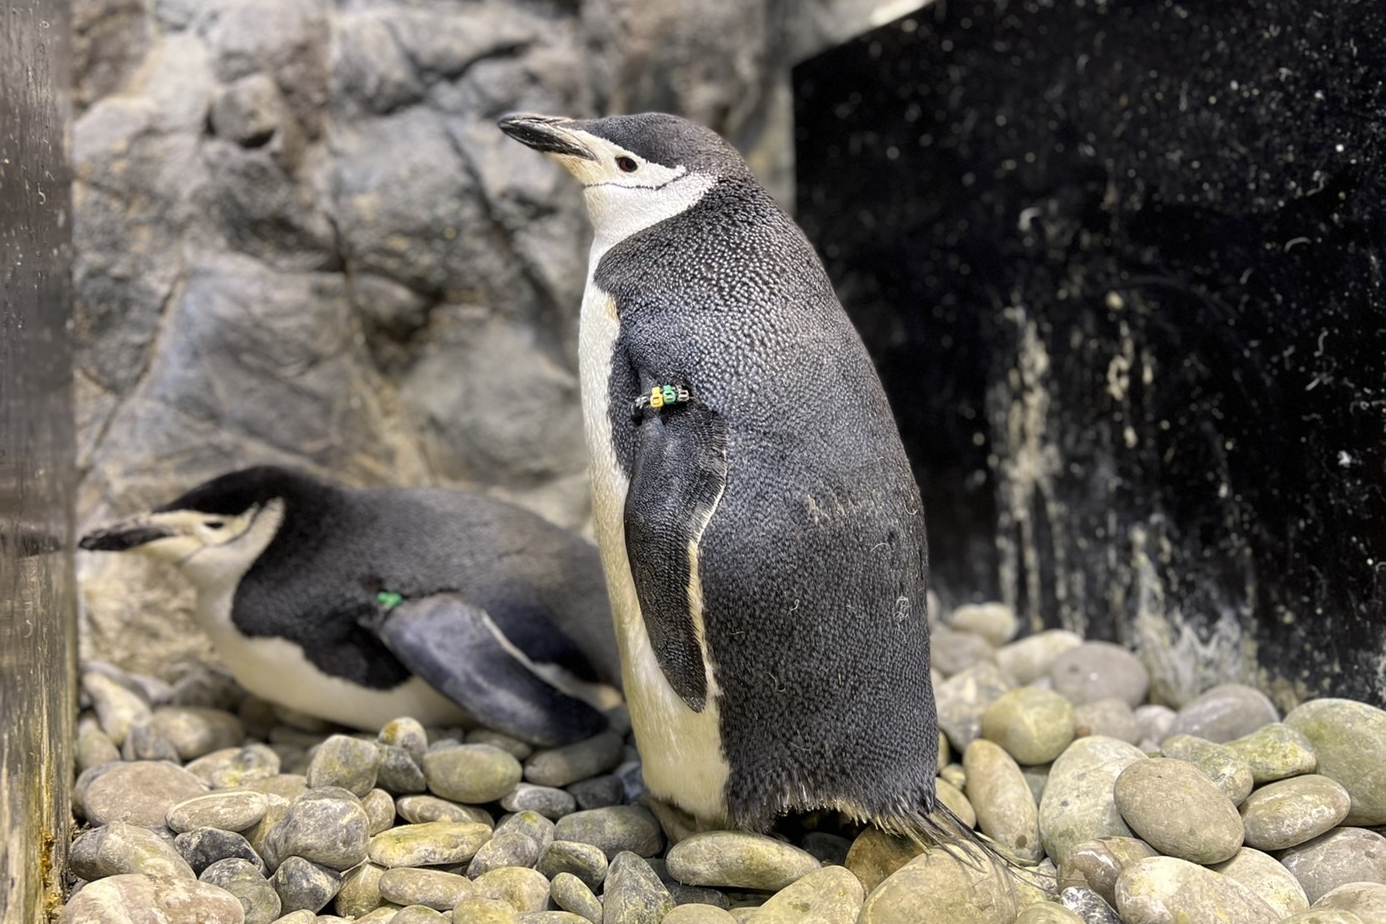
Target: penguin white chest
{"x":681,"y":750}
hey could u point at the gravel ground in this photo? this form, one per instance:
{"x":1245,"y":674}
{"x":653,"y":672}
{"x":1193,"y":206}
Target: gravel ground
{"x":202,"y":805}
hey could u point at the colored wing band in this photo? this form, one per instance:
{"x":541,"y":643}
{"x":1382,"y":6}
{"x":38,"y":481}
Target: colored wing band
{"x":659,"y":396}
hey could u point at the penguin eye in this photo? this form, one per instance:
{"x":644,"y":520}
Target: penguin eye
{"x":627,"y":164}
{"x":214,"y":524}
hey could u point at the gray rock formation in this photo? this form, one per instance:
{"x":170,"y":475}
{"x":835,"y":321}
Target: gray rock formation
{"x":299,"y":238}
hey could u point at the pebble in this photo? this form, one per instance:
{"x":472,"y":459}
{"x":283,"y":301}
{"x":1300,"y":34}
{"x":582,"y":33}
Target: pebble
{"x":248,"y":883}
{"x":230,"y":810}
{"x":995,"y":622}
{"x":953,"y":799}
{"x":1274,"y":752}
{"x":125,"y":848}
{"x":432,"y":843}
{"x":1341,"y":856}
{"x":1098,"y":670}
{"x":548,"y":801}
{"x":1289,"y":812}
{"x":963,"y":698}
{"x":420,"y":809}
{"x":958,"y":893}
{"x":471,"y":773}
{"x":1110,"y":717}
{"x":614,"y":829}
{"x":202,"y":847}
{"x":1204,"y":828}
{"x":304,"y":884}
{"x":379,"y":807}
{"x":397,"y":772}
{"x":510,"y":848}
{"x":405,"y":733}
{"x":572,"y":894}
{"x":551,"y":917}
{"x":438,"y":889}
{"x":94,"y":748}
{"x":231,"y":767}
{"x":586,"y":862}
{"x":738,"y":860}
{"x":1047,"y":913}
{"x":117,"y":707}
{"x":875,"y":855}
{"x":1034,"y":725}
{"x":1167,"y":890}
{"x":696,"y":913}
{"x":1096,"y":864}
{"x":360,"y":892}
{"x":1367,"y":900}
{"x":522,"y":888}
{"x":570,"y":763}
{"x":1229,"y":773}
{"x":346,"y":762}
{"x":831,"y":895}
{"x":1349,"y":739}
{"x":1323,"y":916}
{"x":1078,"y":803}
{"x":418,"y":914}
{"x":1089,"y":906}
{"x":1224,"y":713}
{"x":140,"y":793}
{"x":485,"y":911}
{"x":1155,"y":721}
{"x":1005,"y":808}
{"x":1266,"y":877}
{"x":325,"y":825}
{"x":134,"y":898}
{"x":299,"y":917}
{"x":951,"y":651}
{"x":598,"y":792}
{"x":196,"y":731}
{"x":634,"y":893}
{"x":1031,"y":658}
{"x":142,"y":742}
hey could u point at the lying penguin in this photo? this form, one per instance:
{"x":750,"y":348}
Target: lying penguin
{"x":363,"y":606}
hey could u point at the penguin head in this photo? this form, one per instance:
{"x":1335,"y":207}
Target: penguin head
{"x":636,"y":169}
{"x":213,"y":533}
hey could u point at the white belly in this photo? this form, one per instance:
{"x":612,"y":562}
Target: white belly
{"x":680,"y":749}
{"x":276,"y":670}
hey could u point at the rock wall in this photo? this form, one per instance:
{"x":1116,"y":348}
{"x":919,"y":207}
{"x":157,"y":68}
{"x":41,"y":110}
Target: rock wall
{"x":300,"y":239}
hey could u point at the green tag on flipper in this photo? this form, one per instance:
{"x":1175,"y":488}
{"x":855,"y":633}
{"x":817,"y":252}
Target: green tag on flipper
{"x":389,"y":599}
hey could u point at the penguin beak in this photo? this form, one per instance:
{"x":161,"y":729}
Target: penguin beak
{"x":125,"y":535}
{"x":548,"y":134}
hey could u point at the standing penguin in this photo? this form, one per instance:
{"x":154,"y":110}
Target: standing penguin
{"x":363,"y":606}
{"x":760,"y":527}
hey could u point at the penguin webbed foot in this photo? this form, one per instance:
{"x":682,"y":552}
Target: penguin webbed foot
{"x":460,"y":651}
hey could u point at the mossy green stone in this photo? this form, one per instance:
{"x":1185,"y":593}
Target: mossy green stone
{"x":1349,"y":739}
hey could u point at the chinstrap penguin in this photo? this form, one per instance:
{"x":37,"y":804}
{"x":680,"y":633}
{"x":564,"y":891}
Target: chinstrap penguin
{"x":761,"y":530}
{"x":360,"y":606}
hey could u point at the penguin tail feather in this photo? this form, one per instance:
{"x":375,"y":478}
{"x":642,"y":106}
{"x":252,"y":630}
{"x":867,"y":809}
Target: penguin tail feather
{"x":943,"y":829}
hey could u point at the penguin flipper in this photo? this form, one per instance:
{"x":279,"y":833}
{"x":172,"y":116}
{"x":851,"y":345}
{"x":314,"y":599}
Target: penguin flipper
{"x":679,"y":473}
{"x":460,"y":651}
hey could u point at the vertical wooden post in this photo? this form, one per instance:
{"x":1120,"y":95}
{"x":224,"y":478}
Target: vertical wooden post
{"x":37,"y":595}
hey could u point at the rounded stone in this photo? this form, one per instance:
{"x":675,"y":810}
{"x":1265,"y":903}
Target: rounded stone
{"x":1324,"y":916}
{"x":119,"y":848}
{"x":522,"y":888}
{"x":585,"y":861}
{"x":831,"y":895}
{"x":326,"y":826}
{"x":953,"y":799}
{"x":613,"y":829}
{"x":875,"y":855}
{"x":952,"y":651}
{"x":546,"y":800}
{"x":304,"y":884}
{"x":1032,"y":657}
{"x":570,"y":763}
{"x":140,"y":793}
{"x":1266,"y":877}
{"x":471,"y":773}
{"x":1167,"y":890}
{"x":1096,"y":864}
{"x":360,"y":892}
{"x":1367,"y":900}
{"x":1289,"y":812}
{"x":95,"y":748}
{"x":379,"y":807}
{"x":433,"y":843}
{"x":1078,"y":804}
{"x":572,"y":894}
{"x":738,"y":860}
{"x":138,"y":897}
{"x":1224,"y":713}
{"x":1341,"y":856}
{"x":405,"y":733}
{"x":1032,"y":724}
{"x":196,"y":731}
{"x":1089,"y":906}
{"x":1097,"y":670}
{"x":698,"y":913}
{"x":1005,"y":808}
{"x":1349,"y":739}
{"x":509,"y":848}
{"x":434,"y":888}
{"x":229,"y":810}
{"x":597,"y":792}
{"x":231,"y":767}
{"x":1047,"y":913}
{"x":934,"y":888}
{"x":1155,"y":721}
{"x":398,"y":772}
{"x":507,"y":743}
{"x":420,"y":809}
{"x":633,"y":893}
{"x":346,"y":762}
{"x":142,"y":742}
{"x":1275,"y":752}
{"x":1205,"y":828}
{"x":418,"y":914}
{"x":202,"y":847}
{"x":1110,"y":717}
{"x":485,"y":911}
{"x":1229,"y":773}
{"x":243,"y":880}
{"x":995,"y":622}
